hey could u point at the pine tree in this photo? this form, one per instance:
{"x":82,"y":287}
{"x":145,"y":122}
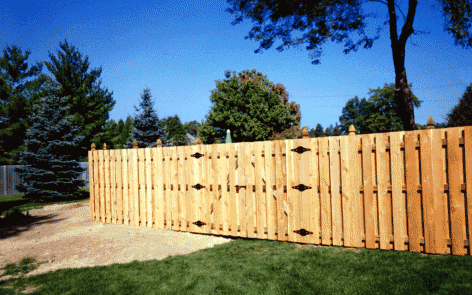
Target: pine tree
{"x":147,"y":128}
{"x":19,"y":87}
{"x":318,"y":131}
{"x":89,"y":102}
{"x":461,"y":114}
{"x":51,"y":167}
{"x":177,"y":134}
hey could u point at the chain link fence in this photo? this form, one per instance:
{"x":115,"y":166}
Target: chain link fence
{"x":9,"y":179}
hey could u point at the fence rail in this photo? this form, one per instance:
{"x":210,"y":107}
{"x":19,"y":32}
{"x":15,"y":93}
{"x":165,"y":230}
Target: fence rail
{"x":404,"y":191}
{"x":9,"y":179}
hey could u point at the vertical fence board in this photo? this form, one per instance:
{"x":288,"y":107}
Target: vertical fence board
{"x":347,"y":189}
{"x":134,"y":188}
{"x":399,"y":207}
{"x":457,"y":206}
{"x":113,"y":185}
{"x":212,"y":191}
{"x":281,"y":196}
{"x":369,"y":206}
{"x":250,"y":193}
{"x":293,"y":195}
{"x":269,"y":162}
{"x":375,"y":203}
{"x":223,"y":194}
{"x":324,"y":192}
{"x":149,"y":176}
{"x":158,"y":189}
{"x":140,"y":203}
{"x":242,"y":195}
{"x":358,"y":201}
{"x":166,"y":169}
{"x":218,"y":159}
{"x":180,"y":187}
{"x":336,"y":208}
{"x":124,"y":162}
{"x":468,"y":178}
{"x":260,"y":178}
{"x":119,"y":188}
{"x":206,"y":228}
{"x":174,"y":198}
{"x":315,"y":217}
{"x":306,"y":200}
{"x":106,"y":159}
{"x":102,"y":186}
{"x":189,"y":190}
{"x":428,"y":190}
{"x":91,"y":185}
{"x":384,"y":205}
{"x":413,"y":198}
{"x":232,"y":219}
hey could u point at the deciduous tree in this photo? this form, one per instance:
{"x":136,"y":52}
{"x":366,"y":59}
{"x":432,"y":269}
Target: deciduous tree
{"x":251,"y":106}
{"x":378,"y":114}
{"x":346,"y":22}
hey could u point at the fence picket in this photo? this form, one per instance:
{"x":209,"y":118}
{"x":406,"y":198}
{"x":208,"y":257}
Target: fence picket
{"x":369,"y":206}
{"x":125,"y":175}
{"x":260,"y":198}
{"x":335,"y":182}
{"x":112,"y":185}
{"x":468,"y":178}
{"x":384,"y":198}
{"x":119,"y":187}
{"x":457,"y":206}
{"x":269,"y":164}
{"x":281,"y":196}
{"x":149,"y":179}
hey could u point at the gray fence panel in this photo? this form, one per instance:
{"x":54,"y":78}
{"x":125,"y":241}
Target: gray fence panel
{"x":9,"y":178}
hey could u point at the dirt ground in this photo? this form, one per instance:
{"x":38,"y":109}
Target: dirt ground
{"x":62,"y":236}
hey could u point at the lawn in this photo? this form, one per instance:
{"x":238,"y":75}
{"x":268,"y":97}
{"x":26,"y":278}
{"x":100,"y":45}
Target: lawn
{"x":249,"y":266}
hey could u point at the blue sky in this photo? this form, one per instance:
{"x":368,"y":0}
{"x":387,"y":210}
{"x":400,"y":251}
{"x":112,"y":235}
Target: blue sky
{"x":180,"y":48}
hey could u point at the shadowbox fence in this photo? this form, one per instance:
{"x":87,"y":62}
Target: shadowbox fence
{"x":404,"y":191}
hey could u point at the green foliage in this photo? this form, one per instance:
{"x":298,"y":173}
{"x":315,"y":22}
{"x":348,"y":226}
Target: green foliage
{"x":317,"y":132}
{"x":89,"y":103}
{"x":19,"y":86}
{"x":251,"y":106}
{"x":461,"y":114}
{"x":50,"y":168}
{"x":147,"y":128}
{"x":177,"y":131}
{"x":378,"y":114}
{"x":458,"y":15}
{"x":115,"y":135}
{"x":192,"y":128}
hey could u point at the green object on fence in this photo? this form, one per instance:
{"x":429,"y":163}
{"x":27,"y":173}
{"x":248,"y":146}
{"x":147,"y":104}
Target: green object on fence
{"x":228,"y":136}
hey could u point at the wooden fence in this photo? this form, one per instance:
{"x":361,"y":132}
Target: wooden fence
{"x":393,"y":191}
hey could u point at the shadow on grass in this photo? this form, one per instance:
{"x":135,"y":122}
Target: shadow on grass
{"x":16,"y":222}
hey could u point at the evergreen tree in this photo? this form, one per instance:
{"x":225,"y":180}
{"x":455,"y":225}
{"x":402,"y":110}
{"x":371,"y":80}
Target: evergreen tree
{"x":461,"y":114}
{"x":192,"y":127}
{"x":329,"y":131}
{"x":251,"y":106}
{"x":147,"y":128}
{"x":89,"y":102}
{"x":51,"y":167}
{"x":177,"y":134}
{"x":317,"y":132}
{"x":19,"y":87}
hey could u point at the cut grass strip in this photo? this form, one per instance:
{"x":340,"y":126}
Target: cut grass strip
{"x":267,"y":267}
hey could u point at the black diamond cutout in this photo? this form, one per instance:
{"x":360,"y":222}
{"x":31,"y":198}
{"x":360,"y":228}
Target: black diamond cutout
{"x":301,"y":187}
{"x":300,"y":150}
{"x":199,"y":223}
{"x":197,"y":155}
{"x":198,"y":186}
{"x":303,"y":232}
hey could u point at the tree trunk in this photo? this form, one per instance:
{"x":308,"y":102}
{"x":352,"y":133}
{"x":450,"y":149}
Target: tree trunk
{"x":403,"y":99}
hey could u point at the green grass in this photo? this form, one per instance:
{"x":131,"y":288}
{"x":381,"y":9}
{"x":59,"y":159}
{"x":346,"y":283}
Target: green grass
{"x":247,"y":266}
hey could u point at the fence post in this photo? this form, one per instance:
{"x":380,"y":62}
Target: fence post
{"x":305,"y":132}
{"x":352,"y":130}
{"x":228,"y":136}
{"x":135,"y":144}
{"x":430,"y":123}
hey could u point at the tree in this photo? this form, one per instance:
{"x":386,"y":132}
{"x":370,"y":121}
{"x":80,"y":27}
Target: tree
{"x":89,"y":102}
{"x":177,"y":132}
{"x":461,"y":114}
{"x":338,"y":20}
{"x":378,"y":114}
{"x":50,"y":168}
{"x":19,"y":90}
{"x":147,"y":128}
{"x":251,"y":106}
{"x":317,"y":132}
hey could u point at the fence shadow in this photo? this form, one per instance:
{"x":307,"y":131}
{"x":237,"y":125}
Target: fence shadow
{"x":15,"y":223}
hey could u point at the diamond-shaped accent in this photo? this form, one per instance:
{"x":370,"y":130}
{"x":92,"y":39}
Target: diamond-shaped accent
{"x":300,"y":150}
{"x":199,"y":223}
{"x":301,"y":187}
{"x":197,"y":155}
{"x":303,"y":232}
{"x":198,"y":186}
